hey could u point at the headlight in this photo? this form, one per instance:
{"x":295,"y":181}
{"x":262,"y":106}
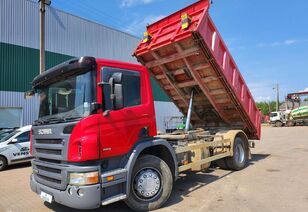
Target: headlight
{"x":80,"y":179}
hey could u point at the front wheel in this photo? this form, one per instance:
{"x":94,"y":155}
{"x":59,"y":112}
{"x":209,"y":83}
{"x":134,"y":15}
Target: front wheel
{"x":3,"y":163}
{"x":278,"y":124}
{"x":151,"y":184}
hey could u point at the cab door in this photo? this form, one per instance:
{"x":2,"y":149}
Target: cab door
{"x":20,"y":147}
{"x":120,"y":129}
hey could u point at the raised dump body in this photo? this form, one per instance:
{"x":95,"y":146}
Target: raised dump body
{"x":184,"y":52}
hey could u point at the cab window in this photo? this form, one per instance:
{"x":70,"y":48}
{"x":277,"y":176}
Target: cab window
{"x":24,"y":137}
{"x":131,"y":87}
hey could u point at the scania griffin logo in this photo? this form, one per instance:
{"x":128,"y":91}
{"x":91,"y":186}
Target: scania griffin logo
{"x":45,"y":131}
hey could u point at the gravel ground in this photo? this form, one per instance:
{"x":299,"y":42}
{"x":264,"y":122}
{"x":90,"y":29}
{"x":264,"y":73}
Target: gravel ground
{"x":275,"y":180}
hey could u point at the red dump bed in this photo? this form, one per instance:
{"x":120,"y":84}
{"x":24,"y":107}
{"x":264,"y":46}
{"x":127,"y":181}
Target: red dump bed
{"x":196,"y":58}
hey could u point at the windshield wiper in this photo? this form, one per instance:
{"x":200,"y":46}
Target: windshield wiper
{"x":48,"y":120}
{"x":38,"y":122}
{"x":69,"y":118}
{"x":57,"y":119}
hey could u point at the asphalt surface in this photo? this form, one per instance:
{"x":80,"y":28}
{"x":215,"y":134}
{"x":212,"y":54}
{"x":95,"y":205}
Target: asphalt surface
{"x":275,"y":180}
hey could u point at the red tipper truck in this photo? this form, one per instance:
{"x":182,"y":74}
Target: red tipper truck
{"x":95,"y":141}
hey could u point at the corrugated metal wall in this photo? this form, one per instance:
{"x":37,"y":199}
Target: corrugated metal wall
{"x":16,"y":99}
{"x":66,"y":36}
{"x":19,"y":65}
{"x":65,"y":33}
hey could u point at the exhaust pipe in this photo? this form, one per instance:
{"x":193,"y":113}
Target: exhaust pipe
{"x":189,"y":111}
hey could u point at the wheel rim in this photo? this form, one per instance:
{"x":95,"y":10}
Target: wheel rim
{"x":147,"y":183}
{"x":1,"y":163}
{"x":239,"y":154}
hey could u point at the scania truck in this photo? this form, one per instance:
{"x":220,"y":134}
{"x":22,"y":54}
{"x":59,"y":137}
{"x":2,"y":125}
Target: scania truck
{"x":95,"y":141}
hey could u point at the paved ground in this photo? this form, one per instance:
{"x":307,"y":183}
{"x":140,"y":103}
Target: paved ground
{"x":276,"y":180}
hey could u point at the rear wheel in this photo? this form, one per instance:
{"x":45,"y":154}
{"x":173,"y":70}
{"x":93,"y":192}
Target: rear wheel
{"x":290,"y":124}
{"x":3,"y":163}
{"x":151,"y":184}
{"x":239,"y":159}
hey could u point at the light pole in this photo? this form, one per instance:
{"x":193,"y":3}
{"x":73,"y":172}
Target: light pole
{"x":43,"y":3}
{"x":277,"y":96}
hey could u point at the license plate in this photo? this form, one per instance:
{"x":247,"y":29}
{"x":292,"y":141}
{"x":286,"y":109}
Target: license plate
{"x":46,"y":197}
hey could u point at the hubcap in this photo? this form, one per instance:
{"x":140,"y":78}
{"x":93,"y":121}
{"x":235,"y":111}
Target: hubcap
{"x":147,"y":183}
{"x":239,"y":154}
{"x":1,"y":163}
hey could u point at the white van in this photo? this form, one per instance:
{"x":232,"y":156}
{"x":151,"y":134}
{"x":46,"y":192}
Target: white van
{"x":15,"y":147}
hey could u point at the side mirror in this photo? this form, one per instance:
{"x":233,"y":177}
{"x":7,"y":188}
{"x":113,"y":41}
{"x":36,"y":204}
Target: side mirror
{"x":29,"y":94}
{"x":116,"y":90}
{"x":14,"y":141}
{"x":118,"y":97}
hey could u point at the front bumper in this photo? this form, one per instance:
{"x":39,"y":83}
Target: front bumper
{"x":90,"y":200}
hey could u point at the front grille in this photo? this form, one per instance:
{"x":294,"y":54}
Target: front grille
{"x":50,"y":160}
{"x":50,"y":174}
{"x":49,"y":151}
{"x":48,"y":169}
{"x":49,"y":141}
{"x":49,"y":179}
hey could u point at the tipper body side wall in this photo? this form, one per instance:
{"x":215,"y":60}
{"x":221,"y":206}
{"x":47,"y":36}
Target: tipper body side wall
{"x":184,"y":52}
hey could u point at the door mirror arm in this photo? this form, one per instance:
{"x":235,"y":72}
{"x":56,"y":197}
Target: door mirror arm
{"x":106,"y":113}
{"x":95,"y":106}
{"x":13,"y":141}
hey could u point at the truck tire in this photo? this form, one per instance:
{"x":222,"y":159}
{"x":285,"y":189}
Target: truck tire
{"x":151,"y":184}
{"x":3,"y":163}
{"x":278,"y":124}
{"x":221,"y":163}
{"x":291,"y":123}
{"x":239,"y":159}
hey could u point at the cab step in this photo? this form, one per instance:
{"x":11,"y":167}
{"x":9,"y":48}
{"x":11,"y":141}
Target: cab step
{"x":113,"y":199}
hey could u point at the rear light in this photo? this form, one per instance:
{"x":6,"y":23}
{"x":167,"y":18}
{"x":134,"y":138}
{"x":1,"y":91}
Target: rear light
{"x":31,"y":132}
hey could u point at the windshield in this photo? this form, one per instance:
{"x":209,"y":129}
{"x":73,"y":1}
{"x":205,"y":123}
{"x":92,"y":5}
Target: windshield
{"x":5,"y":138}
{"x":68,"y":98}
{"x":274,"y":114}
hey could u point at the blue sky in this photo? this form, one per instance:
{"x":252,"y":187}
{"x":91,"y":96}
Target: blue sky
{"x":268,"y":39}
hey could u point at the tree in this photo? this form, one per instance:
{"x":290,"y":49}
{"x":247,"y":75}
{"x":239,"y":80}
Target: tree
{"x":266,"y":107}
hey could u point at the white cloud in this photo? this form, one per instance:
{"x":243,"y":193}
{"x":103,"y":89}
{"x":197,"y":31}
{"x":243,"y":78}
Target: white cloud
{"x":306,"y":89}
{"x":287,"y":42}
{"x":138,"y":26}
{"x":263,"y":99}
{"x":129,"y":3}
{"x":261,"y":45}
{"x":262,"y":91}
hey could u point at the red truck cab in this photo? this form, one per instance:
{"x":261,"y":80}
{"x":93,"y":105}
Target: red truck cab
{"x":93,"y":112}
